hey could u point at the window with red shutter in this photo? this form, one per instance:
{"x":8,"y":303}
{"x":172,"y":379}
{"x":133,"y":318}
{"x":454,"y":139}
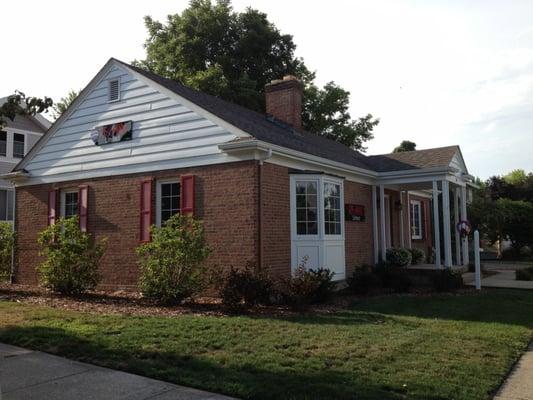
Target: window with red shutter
{"x":187,"y":195}
{"x":52,"y":206}
{"x":146,"y":210}
{"x":83,"y":198}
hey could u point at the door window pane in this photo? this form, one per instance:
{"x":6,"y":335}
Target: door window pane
{"x":170,"y":200}
{"x":332,"y":209}
{"x":306,"y":208}
{"x":18,"y":145}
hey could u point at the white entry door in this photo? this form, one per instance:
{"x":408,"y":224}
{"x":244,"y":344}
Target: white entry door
{"x":317,"y":223}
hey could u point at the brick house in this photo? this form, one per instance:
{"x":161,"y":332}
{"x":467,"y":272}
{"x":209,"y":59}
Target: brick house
{"x":135,"y":148}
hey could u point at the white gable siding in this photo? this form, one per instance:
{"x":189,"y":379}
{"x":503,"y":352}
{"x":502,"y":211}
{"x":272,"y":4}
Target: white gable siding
{"x":458,"y":163}
{"x":166,"y":134}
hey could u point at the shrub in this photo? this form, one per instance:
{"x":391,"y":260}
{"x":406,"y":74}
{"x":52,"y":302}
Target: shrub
{"x":364,"y":280}
{"x":246,"y":287}
{"x":417,"y":256}
{"x":395,"y":278}
{"x":172,"y":263}
{"x":524,"y":274}
{"x":307,"y":286}
{"x":72,"y":256}
{"x":447,"y":280}
{"x":525,"y":252}
{"x":399,"y":257}
{"x":7,"y":239}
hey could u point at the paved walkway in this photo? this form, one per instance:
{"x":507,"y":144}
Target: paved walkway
{"x":28,"y":375}
{"x":519,"y":384}
{"x":501,"y":279}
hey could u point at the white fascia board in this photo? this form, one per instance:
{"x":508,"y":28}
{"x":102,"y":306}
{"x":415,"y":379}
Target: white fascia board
{"x":57,"y":123}
{"x":189,"y":104}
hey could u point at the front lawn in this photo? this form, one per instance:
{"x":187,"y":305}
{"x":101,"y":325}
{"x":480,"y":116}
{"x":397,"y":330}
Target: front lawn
{"x":433,"y":347}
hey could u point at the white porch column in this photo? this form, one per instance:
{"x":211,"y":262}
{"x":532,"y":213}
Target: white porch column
{"x":382,"y":220}
{"x":466,"y":260}
{"x":375,"y":224}
{"x":446,"y":223}
{"x":455,"y":222}
{"x":436,"y":225}
{"x":402,"y":215}
{"x":410,"y":235}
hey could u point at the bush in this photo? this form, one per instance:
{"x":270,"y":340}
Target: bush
{"x":71,"y":265}
{"x":364,"y":280}
{"x":7,"y":239}
{"x":524,"y":274}
{"x":525,"y":252}
{"x":246,"y":287}
{"x":307,"y":286}
{"x":398,"y":257}
{"x":447,"y":280}
{"x":395,"y":278}
{"x":417,"y":256}
{"x":172,"y":263}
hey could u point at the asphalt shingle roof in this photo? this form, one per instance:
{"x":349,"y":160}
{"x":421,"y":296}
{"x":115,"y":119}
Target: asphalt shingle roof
{"x":267,"y":129}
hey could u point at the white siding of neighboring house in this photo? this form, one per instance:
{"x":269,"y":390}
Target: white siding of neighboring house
{"x":166,"y":134}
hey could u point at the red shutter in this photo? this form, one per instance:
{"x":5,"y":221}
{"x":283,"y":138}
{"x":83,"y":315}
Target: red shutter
{"x":83,"y":198}
{"x":52,"y":206}
{"x":187,"y":195}
{"x":146,"y":210}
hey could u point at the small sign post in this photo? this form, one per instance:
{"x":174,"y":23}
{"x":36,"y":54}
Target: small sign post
{"x":477,"y":259}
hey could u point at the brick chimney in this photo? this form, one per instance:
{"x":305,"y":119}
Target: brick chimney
{"x":284,"y":100}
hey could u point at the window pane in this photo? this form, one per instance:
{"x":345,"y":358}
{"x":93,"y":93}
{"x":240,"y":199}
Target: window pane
{"x":3,"y":143}
{"x":332,"y":212}
{"x":3,"y":205}
{"x":312,"y":228}
{"x":306,"y":208}
{"x":165,"y":203}
{"x":18,"y":145}
{"x":71,"y":204}
{"x":301,"y":228}
{"x":170,"y":200}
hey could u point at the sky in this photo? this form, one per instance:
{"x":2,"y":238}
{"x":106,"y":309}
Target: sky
{"x":434,"y":72}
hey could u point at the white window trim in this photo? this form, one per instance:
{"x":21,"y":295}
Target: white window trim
{"x":160,"y":182}
{"x":413,"y":203}
{"x":13,"y":144}
{"x":63,"y":195}
{"x":320,"y":180}
{"x":109,"y":90}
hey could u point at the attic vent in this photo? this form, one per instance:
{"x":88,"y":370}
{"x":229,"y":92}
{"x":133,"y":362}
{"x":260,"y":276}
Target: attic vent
{"x":114,"y":90}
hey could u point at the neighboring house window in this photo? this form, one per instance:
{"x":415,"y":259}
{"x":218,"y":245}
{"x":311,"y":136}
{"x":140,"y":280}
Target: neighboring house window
{"x":168,"y":200}
{"x":416,"y":219}
{"x":18,"y":145}
{"x":332,"y":209}
{"x":69,"y":203}
{"x":6,"y":205}
{"x":3,"y":143}
{"x":306,"y":208}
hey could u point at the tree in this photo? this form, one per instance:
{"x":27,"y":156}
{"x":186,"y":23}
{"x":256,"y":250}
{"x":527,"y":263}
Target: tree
{"x":233,"y":55}
{"x":405,"y":145}
{"x":20,"y":104}
{"x":61,"y":106}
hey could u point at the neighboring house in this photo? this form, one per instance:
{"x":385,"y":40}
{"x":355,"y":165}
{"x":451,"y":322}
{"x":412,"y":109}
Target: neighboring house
{"x":135,"y":148}
{"x":17,"y":137}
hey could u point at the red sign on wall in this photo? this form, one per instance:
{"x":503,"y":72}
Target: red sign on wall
{"x":354,"y":212}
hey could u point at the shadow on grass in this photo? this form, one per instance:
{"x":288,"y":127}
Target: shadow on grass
{"x":237,"y":378}
{"x":510,"y":307}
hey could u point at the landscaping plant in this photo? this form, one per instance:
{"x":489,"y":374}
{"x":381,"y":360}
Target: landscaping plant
{"x":172,"y":263}
{"x":394,"y":277}
{"x":7,"y":239}
{"x":247,"y":287}
{"x":417,"y":256}
{"x":364,"y":280}
{"x":71,"y":258}
{"x":398,"y":256}
{"x":447,"y":280}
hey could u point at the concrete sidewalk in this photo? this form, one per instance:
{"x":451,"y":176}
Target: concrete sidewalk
{"x":26,"y":374}
{"x":519,"y":384}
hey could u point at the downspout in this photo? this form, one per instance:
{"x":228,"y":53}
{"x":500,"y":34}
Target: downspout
{"x":261,"y":159}
{"x":12,"y":277}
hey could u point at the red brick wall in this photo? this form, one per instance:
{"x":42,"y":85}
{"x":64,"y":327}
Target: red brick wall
{"x":358,"y":234}
{"x":276,"y":226}
{"x":226,"y":200}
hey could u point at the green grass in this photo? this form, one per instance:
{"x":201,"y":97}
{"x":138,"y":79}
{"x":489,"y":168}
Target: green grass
{"x":436,"y":347}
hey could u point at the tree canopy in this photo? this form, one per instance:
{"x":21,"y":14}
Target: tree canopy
{"x":233,"y":55}
{"x":20,"y":104}
{"x":405,"y":145}
{"x":61,"y":106}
